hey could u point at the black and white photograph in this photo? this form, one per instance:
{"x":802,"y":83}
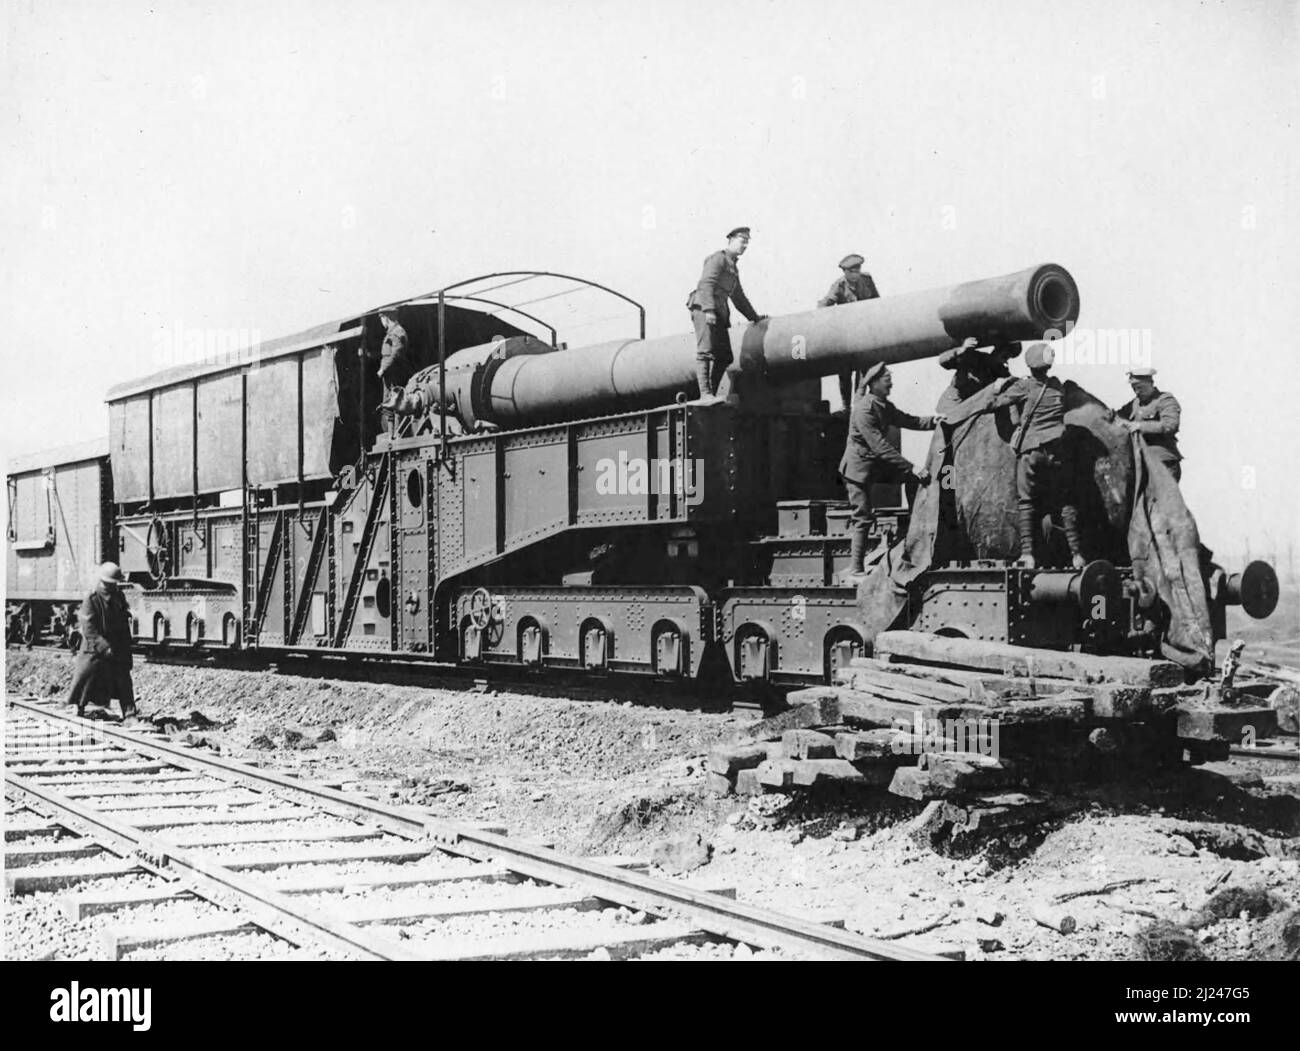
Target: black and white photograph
{"x":626,"y":481}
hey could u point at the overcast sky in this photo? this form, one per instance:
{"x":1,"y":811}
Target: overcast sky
{"x":270,"y":166}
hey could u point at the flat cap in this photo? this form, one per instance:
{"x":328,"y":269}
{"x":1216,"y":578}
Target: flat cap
{"x":738,"y":230}
{"x":111,"y":572}
{"x":850,"y":261}
{"x":873,"y":372}
{"x":1141,"y":374}
{"x":1039,"y":356}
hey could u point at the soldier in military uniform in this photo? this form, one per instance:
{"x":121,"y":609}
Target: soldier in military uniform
{"x":1155,"y":415}
{"x":711,"y":315}
{"x":1043,"y":477}
{"x":973,"y":370}
{"x":850,"y":287}
{"x":871,"y":458}
{"x":394,"y":365}
{"x":103,"y":669}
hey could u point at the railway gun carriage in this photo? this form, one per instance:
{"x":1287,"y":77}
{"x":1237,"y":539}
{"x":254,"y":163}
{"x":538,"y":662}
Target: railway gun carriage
{"x":543,"y":506}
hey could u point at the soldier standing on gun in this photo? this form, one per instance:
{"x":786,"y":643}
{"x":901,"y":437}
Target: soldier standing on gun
{"x":870,"y":458}
{"x":1155,"y":415}
{"x":103,"y":668}
{"x":711,"y":315}
{"x":851,"y":287}
{"x":1043,"y":478}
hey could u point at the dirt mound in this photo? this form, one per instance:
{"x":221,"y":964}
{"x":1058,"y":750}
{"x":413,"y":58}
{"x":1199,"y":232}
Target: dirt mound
{"x":1164,"y":940}
{"x":1279,"y":937}
{"x":635,"y":820}
{"x":1252,"y":902}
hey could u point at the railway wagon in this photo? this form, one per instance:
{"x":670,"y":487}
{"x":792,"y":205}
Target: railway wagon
{"x":226,"y":475}
{"x":60,"y":528}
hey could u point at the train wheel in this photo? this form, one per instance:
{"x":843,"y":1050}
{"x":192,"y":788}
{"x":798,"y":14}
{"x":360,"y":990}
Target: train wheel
{"x":595,"y":640}
{"x":471,"y":641}
{"x":669,"y":649}
{"x":842,"y":645}
{"x":532,"y":642}
{"x":754,"y":655}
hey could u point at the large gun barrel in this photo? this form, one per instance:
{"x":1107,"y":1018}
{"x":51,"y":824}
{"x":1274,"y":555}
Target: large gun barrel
{"x":533,"y":388}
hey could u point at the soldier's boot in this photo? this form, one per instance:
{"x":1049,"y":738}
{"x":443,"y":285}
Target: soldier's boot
{"x":702,"y":369}
{"x":846,"y":390}
{"x":1070,"y":522}
{"x":1025,"y":522}
{"x":858,"y":547}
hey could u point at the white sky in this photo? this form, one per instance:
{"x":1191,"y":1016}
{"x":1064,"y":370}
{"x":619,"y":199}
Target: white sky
{"x":269,"y":166}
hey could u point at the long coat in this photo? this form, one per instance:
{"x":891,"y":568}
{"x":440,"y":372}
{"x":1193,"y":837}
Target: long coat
{"x":103,"y":669}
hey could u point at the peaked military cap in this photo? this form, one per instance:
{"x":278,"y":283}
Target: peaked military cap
{"x":851,"y":261}
{"x":738,"y":230}
{"x":1141,"y":374}
{"x":1039,"y":356}
{"x":873,"y":372}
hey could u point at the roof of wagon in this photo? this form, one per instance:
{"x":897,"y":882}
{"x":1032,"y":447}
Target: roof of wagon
{"x":542,"y":298}
{"x":95,"y":449}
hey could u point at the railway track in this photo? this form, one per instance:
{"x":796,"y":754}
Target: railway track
{"x":193,"y":854}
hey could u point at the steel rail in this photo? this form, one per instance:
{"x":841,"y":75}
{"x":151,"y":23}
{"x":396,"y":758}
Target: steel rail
{"x":732,"y":920}
{"x":265,"y":907}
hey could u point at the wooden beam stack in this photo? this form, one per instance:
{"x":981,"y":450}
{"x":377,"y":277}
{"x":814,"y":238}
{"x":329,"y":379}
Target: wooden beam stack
{"x":946,"y":719}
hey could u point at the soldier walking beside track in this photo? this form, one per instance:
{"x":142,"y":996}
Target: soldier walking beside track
{"x":1043,"y":477}
{"x":711,"y":314}
{"x":850,"y":287}
{"x":870,"y":458}
{"x":1155,"y":415}
{"x":103,"y":669}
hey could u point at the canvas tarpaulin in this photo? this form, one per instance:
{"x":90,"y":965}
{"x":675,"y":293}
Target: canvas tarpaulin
{"x":1130,"y":510}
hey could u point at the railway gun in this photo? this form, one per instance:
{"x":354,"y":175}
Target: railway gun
{"x":536,"y":505}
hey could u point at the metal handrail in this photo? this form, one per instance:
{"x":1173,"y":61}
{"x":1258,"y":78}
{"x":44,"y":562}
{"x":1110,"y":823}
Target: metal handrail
{"x":523,"y":276}
{"x":492,"y":302}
